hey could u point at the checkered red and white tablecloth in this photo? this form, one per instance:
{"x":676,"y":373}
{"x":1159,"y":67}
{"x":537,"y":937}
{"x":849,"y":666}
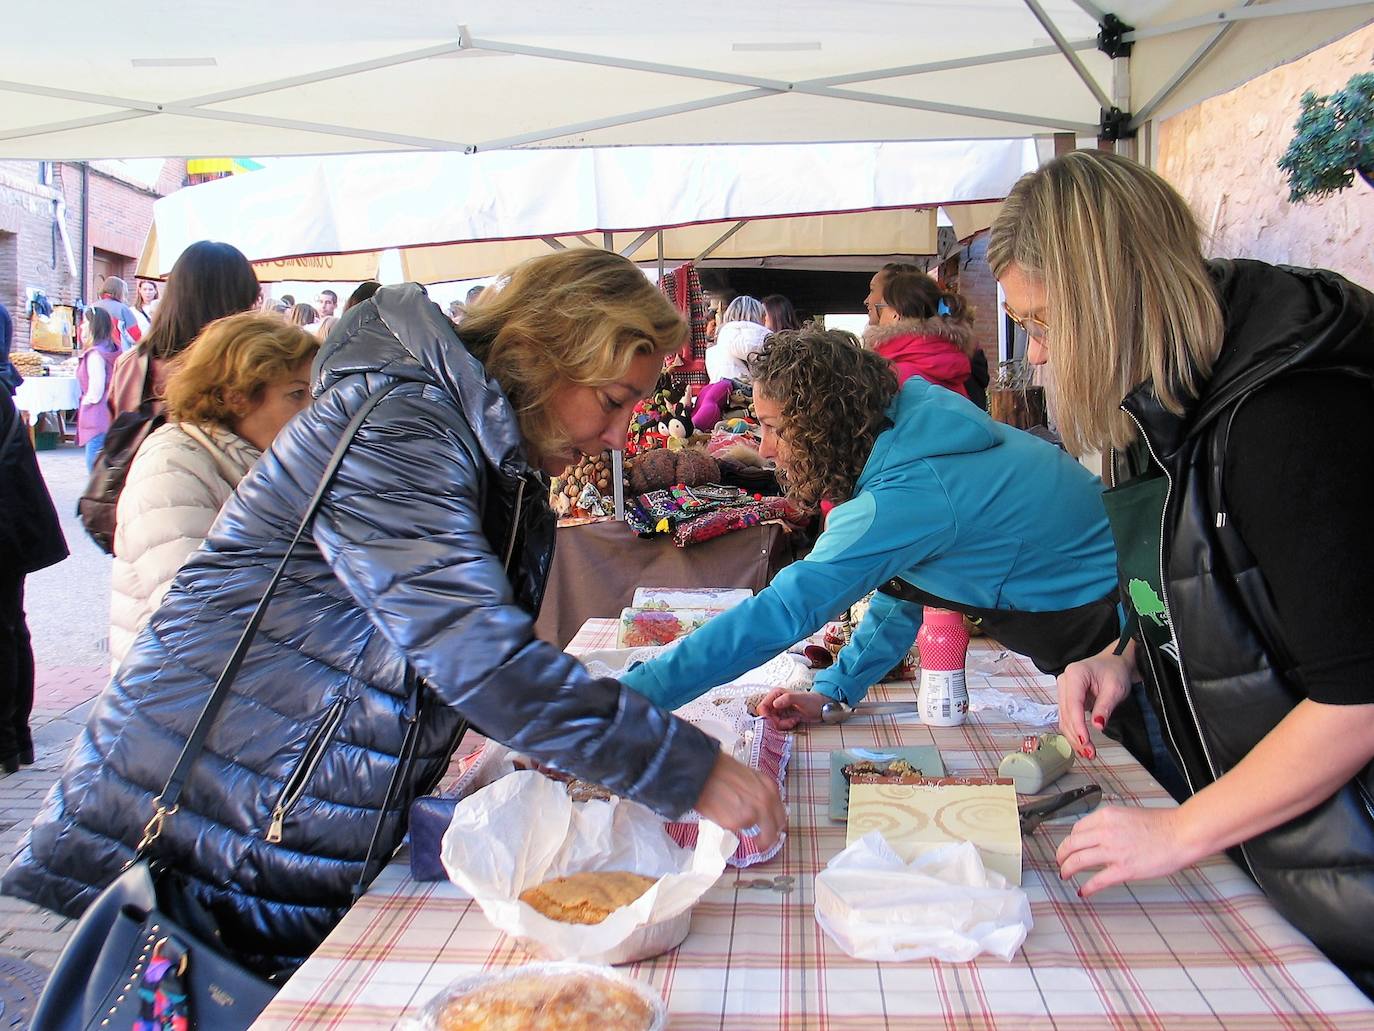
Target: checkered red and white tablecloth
{"x":1200,"y":949}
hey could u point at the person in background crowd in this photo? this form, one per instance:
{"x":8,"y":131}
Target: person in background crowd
{"x":407,"y":608}
{"x":241,"y":382}
{"x":1234,"y":398}
{"x":209,"y":281}
{"x":923,"y":331}
{"x":112,"y":293}
{"x":456,"y":311}
{"x":327,"y":303}
{"x":94,"y":373}
{"x":303,"y":315}
{"x":9,"y":375}
{"x":937,"y":505}
{"x":362,"y":292}
{"x":976,"y":386}
{"x":289,"y":301}
{"x":474,"y":295}
{"x":778,"y":314}
{"x":30,"y":539}
{"x":145,"y":303}
{"x":324,"y":327}
{"x":740,"y":336}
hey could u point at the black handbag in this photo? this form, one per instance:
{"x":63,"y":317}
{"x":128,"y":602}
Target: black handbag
{"x":96,"y":506}
{"x":146,"y":946}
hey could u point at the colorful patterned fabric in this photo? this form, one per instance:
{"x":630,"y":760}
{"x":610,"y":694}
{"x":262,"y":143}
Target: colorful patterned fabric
{"x":711,"y":525}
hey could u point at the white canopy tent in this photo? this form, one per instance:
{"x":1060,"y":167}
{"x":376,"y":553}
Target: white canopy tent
{"x":462,"y":217}
{"x":264,"y":77}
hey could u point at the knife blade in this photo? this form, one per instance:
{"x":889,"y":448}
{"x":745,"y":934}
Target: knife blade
{"x":1036,"y":811}
{"x":839,"y":712}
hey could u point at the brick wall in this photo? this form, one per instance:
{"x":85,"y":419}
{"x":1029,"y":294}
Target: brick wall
{"x":120,"y":215}
{"x":969,"y":274}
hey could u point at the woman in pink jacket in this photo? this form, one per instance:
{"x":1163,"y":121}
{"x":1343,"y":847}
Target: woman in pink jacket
{"x":923,"y":331}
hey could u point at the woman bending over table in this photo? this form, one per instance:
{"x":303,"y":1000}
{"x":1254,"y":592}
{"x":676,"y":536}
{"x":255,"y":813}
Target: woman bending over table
{"x":939,"y":505}
{"x":1235,"y":398}
{"x":409,"y":602}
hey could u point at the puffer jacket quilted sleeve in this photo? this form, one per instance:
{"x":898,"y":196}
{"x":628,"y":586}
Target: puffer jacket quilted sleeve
{"x":178,"y":482}
{"x":416,"y":558}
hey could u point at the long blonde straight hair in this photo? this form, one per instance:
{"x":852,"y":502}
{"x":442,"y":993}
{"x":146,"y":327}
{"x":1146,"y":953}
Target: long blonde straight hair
{"x":1129,"y":298}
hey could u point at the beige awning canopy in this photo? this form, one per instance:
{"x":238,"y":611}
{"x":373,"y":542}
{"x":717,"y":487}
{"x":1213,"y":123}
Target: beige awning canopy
{"x":259,"y":77}
{"x":454,"y":216}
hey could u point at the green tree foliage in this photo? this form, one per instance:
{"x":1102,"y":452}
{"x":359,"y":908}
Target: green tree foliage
{"x":1333,"y":141}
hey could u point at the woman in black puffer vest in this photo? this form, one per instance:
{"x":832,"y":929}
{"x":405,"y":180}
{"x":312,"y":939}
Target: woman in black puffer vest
{"x":1235,"y":397}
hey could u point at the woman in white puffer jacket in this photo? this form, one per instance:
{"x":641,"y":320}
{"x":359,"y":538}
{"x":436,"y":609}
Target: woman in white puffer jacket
{"x":235,"y":387}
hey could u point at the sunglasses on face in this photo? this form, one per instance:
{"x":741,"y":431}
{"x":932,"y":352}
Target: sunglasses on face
{"x":1032,"y":327}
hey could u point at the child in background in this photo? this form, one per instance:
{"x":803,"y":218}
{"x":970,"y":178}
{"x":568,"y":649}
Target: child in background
{"x":93,"y":373}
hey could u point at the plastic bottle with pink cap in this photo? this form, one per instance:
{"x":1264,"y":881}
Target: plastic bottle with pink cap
{"x":943,"y":645}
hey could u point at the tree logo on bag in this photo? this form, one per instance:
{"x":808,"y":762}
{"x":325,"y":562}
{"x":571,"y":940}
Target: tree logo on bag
{"x":1146,"y":603}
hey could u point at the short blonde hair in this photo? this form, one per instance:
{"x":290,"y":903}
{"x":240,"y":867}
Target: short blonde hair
{"x":1129,"y":298}
{"x":240,"y":354}
{"x":578,"y":317}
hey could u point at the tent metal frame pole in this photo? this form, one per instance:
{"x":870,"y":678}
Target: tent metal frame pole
{"x":629,"y":64}
{"x":1080,"y":69}
{"x":948,"y":109}
{"x":1186,"y":69}
{"x":1274,"y":9}
{"x":605,"y":123}
{"x":554,"y":244}
{"x":954,"y":64}
{"x":638,"y":242}
{"x":584,"y":238}
{"x":607,"y":241}
{"x":1092,"y":10}
{"x":660,"y":255}
{"x":723,"y":237}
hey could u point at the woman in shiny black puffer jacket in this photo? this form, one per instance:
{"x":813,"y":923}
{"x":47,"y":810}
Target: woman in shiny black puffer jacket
{"x":426,"y":564}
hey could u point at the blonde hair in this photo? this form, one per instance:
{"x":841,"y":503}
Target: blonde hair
{"x":578,"y":317}
{"x":1129,"y":298}
{"x":242,"y":354}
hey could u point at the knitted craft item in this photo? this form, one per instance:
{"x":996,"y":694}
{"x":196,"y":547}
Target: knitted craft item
{"x":683,"y":288}
{"x":710,"y":525}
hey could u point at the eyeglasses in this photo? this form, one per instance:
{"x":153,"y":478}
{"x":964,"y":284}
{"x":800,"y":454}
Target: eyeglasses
{"x":875,"y":308}
{"x":1034,"y":328}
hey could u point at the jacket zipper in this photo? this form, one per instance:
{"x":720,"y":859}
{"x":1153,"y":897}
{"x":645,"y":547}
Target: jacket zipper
{"x":1182,"y":675}
{"x":305,"y":769}
{"x":515,"y":524}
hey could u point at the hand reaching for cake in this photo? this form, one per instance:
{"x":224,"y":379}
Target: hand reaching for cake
{"x":785,"y":709}
{"x":741,"y":799}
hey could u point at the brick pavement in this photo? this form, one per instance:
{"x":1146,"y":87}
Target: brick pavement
{"x":63,"y":698}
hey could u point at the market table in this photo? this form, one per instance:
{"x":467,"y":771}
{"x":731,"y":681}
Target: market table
{"x":47,"y":394}
{"x":1200,"y":949}
{"x":597,"y":566}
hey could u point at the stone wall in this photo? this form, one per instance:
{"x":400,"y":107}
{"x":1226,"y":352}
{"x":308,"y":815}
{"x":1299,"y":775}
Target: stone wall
{"x":1222,"y":155}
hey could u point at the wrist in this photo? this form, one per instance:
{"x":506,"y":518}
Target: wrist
{"x":831,"y":689}
{"x":1194,"y":835}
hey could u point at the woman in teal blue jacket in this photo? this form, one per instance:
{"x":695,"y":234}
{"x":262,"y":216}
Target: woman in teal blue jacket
{"x":939,"y":505}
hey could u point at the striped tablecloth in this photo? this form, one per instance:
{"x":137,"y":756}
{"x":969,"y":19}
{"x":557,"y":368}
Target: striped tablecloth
{"x":1200,"y":949}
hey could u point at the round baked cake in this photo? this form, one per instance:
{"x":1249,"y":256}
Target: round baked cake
{"x":586,"y":898}
{"x":549,"y":1002}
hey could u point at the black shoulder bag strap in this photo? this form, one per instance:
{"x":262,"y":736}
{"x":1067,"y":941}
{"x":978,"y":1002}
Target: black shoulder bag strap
{"x":166,"y":803}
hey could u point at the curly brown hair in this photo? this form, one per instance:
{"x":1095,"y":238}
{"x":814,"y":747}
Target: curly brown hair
{"x":834,"y":397}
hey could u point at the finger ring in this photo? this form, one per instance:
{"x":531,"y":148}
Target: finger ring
{"x":752,"y":831}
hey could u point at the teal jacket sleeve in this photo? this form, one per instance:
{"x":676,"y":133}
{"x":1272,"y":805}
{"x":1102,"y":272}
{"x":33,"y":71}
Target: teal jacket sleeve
{"x":879,"y":642}
{"x":866,"y":541}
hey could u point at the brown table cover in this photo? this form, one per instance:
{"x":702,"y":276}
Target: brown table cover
{"x":597,"y":566}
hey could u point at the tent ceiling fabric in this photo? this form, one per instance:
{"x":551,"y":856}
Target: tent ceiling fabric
{"x":461,"y":216}
{"x":202,"y":78}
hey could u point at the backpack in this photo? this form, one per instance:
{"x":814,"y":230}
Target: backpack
{"x":96,"y":507}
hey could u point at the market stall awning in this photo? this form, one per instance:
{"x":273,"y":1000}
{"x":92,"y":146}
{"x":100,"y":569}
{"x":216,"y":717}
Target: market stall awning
{"x":462,"y":217}
{"x":202,"y":78}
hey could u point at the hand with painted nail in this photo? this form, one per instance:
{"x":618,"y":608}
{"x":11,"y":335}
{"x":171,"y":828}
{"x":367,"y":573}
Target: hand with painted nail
{"x":1092,"y":688}
{"x":1126,"y":845}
